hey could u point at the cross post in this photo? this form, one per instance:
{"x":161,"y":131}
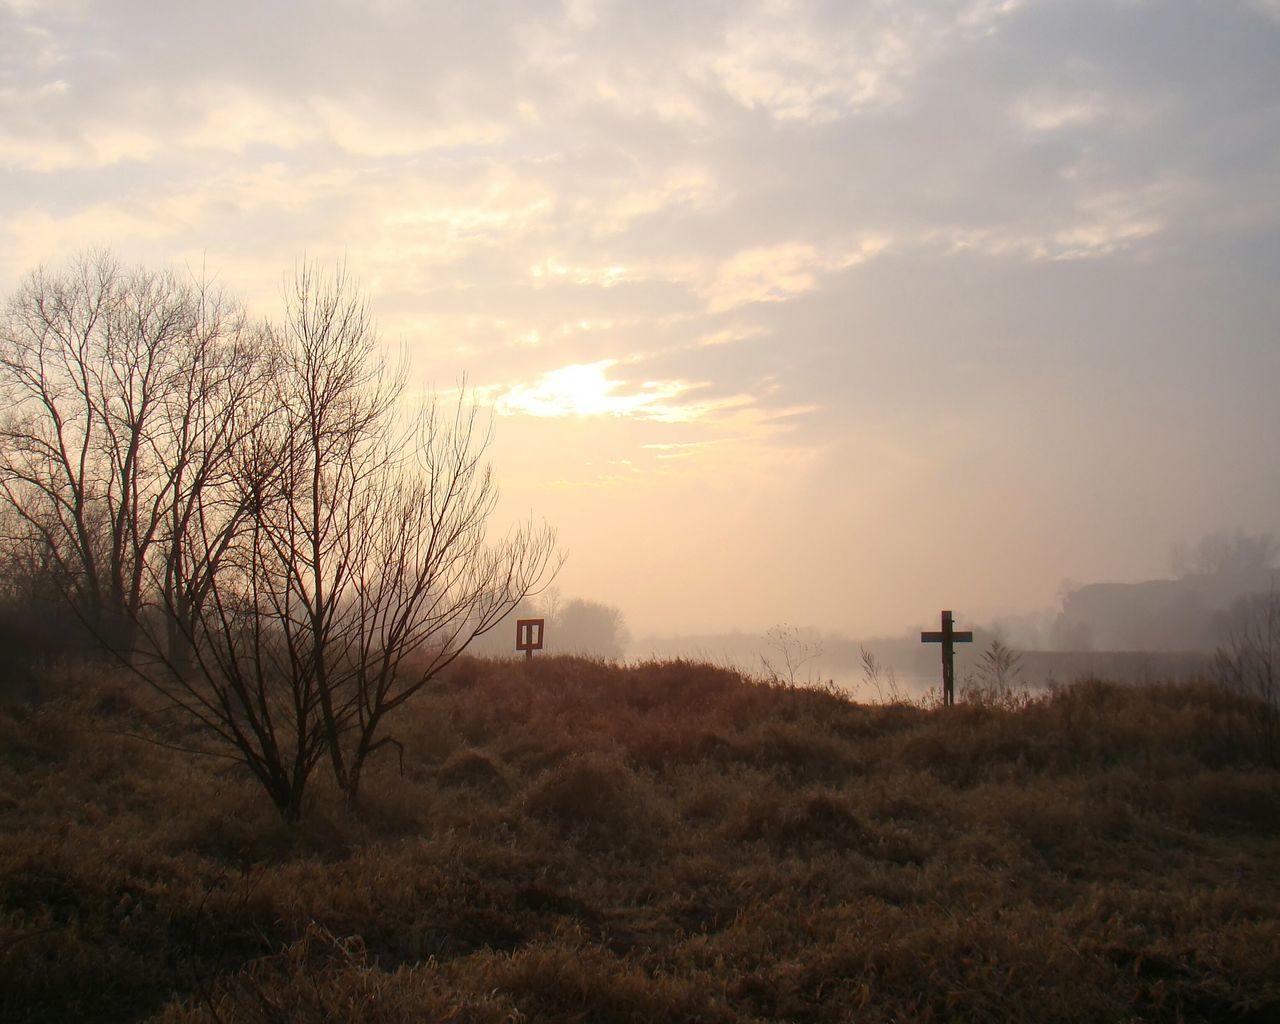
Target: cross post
{"x":948,"y":637}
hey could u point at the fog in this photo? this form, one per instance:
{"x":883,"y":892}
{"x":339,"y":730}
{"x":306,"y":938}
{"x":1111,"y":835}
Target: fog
{"x":1159,"y":629}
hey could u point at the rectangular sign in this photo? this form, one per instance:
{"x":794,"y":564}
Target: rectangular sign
{"x":529,"y":634}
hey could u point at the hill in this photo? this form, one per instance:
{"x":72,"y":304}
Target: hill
{"x":570,"y":840}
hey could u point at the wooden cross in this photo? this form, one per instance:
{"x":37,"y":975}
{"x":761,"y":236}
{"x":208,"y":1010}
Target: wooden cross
{"x":947,"y":636}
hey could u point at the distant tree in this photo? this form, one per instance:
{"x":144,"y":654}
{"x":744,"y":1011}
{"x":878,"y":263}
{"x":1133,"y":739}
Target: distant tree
{"x":587,"y":627}
{"x":1224,"y":552}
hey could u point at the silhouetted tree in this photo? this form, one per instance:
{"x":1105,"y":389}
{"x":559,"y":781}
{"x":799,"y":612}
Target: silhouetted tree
{"x":352,"y":562}
{"x":248,"y":512}
{"x":116,"y":385}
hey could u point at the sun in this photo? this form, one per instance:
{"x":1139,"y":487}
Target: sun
{"x":585,"y":389}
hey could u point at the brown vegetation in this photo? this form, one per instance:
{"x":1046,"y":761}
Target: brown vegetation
{"x":570,"y":840}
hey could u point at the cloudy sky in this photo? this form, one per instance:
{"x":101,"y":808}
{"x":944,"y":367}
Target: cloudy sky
{"x":821,"y":313}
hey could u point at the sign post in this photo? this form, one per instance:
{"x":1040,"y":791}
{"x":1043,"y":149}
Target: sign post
{"x":948,"y":637}
{"x":529,"y":636}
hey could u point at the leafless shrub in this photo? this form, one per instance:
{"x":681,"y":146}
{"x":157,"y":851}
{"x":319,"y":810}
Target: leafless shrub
{"x":998,"y":679}
{"x":792,"y":651}
{"x":1248,"y":663}
{"x":881,"y":679}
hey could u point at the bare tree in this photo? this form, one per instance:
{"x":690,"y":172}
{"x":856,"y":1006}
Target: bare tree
{"x":104,"y":372}
{"x":218,"y":404}
{"x":352,"y":563}
{"x":248,"y":512}
{"x":428,"y":582}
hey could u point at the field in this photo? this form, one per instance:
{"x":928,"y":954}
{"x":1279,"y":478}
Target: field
{"x":567,"y":840}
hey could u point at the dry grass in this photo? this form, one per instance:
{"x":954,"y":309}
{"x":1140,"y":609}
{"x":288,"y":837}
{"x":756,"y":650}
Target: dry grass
{"x":665,"y":842}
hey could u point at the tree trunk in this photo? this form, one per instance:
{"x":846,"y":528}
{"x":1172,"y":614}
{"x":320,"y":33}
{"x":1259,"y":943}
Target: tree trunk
{"x":178,"y":641}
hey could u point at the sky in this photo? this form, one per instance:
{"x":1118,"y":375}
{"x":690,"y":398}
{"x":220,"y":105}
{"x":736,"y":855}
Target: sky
{"x":832,"y":314}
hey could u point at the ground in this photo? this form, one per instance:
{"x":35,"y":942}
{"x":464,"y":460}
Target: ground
{"x":570,"y":840}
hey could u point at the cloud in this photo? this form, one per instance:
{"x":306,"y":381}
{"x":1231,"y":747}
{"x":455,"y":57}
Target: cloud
{"x":231,"y":118}
{"x":1042,"y":114}
{"x":797,"y":76}
{"x":1100,"y":225}
{"x":97,"y":146}
{"x":776,"y":273}
{"x":488,"y":201}
{"x":551,"y":270}
{"x":29,"y":45}
{"x":730,"y":336}
{"x":679,"y":449}
{"x":656,"y":427}
{"x":584,"y":390}
{"x":1270,"y":8}
{"x":366,"y":127}
{"x":787,"y":60}
{"x":39,"y":237}
{"x":590,"y":390}
{"x":685,"y":186}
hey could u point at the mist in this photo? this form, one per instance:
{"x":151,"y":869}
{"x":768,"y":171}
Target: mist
{"x":1167,"y":628}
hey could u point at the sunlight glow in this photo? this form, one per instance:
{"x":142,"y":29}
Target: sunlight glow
{"x":584,"y":389}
